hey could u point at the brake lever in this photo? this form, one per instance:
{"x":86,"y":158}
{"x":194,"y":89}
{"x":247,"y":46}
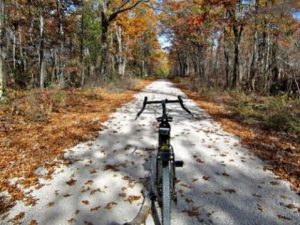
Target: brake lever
{"x":183,"y":106}
{"x":143,"y":108}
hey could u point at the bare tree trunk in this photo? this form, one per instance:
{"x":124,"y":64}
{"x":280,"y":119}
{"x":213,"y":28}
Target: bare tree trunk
{"x":1,"y":49}
{"x":20,"y":42}
{"x":121,"y":61}
{"x":226,"y":56}
{"x":41,"y":47}
{"x":181,"y":70}
{"x":237,"y":30}
{"x":31,"y":21}
{"x":253,"y":69}
{"x":61,"y":42}
{"x":104,"y":33}
{"x":14,"y":47}
{"x":22,"y":57}
{"x":82,"y":69}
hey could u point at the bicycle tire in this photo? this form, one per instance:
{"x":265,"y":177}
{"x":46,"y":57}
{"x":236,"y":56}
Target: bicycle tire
{"x":166,"y":203}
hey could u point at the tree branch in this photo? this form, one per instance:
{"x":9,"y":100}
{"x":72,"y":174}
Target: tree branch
{"x":115,"y":14}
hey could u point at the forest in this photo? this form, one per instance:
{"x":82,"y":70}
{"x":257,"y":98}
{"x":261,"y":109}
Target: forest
{"x":251,"y":45}
{"x":76,"y":43}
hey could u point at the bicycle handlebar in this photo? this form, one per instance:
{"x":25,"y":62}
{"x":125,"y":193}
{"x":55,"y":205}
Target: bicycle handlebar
{"x":166,"y":101}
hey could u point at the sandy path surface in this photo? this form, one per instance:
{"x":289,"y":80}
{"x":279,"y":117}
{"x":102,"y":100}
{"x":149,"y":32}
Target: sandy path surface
{"x":220,"y":183}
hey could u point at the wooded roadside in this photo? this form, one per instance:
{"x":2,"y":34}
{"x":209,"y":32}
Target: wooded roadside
{"x":37,"y":126}
{"x":279,"y":149}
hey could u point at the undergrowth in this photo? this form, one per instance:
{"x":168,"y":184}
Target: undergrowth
{"x":36,"y":105}
{"x":274,"y":113}
{"x":119,"y":85}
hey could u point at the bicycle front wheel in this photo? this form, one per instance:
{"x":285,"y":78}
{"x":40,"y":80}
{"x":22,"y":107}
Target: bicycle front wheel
{"x":166,"y":203}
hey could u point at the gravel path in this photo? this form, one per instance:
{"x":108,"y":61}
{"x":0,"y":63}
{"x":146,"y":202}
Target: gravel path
{"x":220,"y":183}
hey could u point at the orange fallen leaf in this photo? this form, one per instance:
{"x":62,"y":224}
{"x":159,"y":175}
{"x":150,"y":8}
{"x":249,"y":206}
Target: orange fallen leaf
{"x":110,"y":205}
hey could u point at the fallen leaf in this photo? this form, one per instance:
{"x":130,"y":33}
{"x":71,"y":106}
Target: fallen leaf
{"x":50,"y":204}
{"x":89,"y":182}
{"x":231,"y":191}
{"x":112,"y":167}
{"x":86,"y":202}
{"x":123,"y":195}
{"x":193,"y":212}
{"x":259,"y":207}
{"x":225,"y":174}
{"x":71,"y":221}
{"x":274,"y":183}
{"x":95,"y":208}
{"x":110,"y":205}
{"x":18,"y":217}
{"x":283,"y":217}
{"x":96,"y":190}
{"x":199,"y":161}
{"x":93,"y":171}
{"x":33,"y":222}
{"x":206,"y":177}
{"x":132,"y":198}
{"x":71,"y":182}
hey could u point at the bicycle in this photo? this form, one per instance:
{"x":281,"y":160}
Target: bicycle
{"x":165,"y":159}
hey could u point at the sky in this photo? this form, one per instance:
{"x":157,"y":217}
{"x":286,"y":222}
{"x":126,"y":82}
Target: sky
{"x":297,"y":15}
{"x":164,"y":41}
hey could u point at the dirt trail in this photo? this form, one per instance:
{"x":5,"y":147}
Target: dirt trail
{"x":221,"y":182}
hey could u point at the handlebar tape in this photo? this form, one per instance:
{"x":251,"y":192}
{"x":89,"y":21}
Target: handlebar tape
{"x":183,"y":106}
{"x":143,"y":108}
{"x":180,"y":101}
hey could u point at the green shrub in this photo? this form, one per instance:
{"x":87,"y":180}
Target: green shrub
{"x":278,"y":121}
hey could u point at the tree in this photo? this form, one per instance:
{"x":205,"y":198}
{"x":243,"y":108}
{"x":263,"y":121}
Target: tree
{"x":42,"y":43}
{"x":1,"y":53}
{"x":252,"y":35}
{"x":109,"y":12}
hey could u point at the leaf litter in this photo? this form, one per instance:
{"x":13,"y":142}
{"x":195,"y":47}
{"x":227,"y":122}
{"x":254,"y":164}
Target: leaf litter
{"x":27,"y":143}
